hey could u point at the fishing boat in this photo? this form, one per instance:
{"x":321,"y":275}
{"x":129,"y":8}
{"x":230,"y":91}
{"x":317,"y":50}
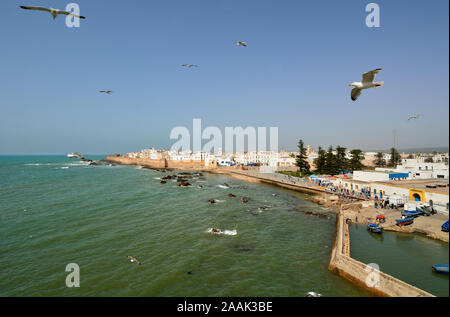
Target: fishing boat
{"x":374,"y":228}
{"x":411,"y":213}
{"x":440,"y":268}
{"x":404,"y":222}
{"x":444,"y":226}
{"x":381,"y":218}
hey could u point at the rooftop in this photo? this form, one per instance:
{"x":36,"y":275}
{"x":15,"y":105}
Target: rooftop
{"x":430,"y":184}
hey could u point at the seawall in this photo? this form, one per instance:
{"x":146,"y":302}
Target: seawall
{"x":269,"y":179}
{"x":157,"y":164}
{"x":357,"y":272}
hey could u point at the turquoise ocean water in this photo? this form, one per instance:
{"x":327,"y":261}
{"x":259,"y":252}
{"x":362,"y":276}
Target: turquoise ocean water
{"x":55,"y":211}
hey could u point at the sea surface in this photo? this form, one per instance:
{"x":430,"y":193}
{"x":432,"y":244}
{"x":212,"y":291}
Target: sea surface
{"x":55,"y":211}
{"x":408,"y":257}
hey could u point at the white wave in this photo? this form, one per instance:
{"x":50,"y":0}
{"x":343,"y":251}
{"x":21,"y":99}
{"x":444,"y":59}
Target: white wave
{"x":223,"y":186}
{"x":58,"y":164}
{"x":225,"y":232}
{"x":77,"y":164}
{"x":158,"y":178}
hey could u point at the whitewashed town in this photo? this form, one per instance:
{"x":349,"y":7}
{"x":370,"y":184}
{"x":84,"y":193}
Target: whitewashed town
{"x":417,"y":177}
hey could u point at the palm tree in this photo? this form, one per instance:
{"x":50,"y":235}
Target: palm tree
{"x":395,"y":158}
{"x":380,"y":161}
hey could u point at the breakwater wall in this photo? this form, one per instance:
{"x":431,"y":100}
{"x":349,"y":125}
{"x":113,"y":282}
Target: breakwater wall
{"x":157,"y":164}
{"x":378,"y":282}
{"x":274,"y":179}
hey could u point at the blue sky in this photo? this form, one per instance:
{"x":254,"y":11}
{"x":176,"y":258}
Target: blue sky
{"x":294,"y":74}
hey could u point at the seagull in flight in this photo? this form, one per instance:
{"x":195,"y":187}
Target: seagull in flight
{"x":106,"y":91}
{"x":189,"y":65}
{"x":414,"y":117}
{"x":53,"y":12}
{"x":367,"y":82}
{"x":240,"y":43}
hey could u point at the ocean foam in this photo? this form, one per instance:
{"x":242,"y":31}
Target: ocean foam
{"x":224,"y":232}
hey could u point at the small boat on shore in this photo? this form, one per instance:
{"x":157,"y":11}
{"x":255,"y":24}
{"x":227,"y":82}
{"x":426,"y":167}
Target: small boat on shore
{"x":411,"y":213}
{"x":374,"y":228}
{"x":405,"y":221}
{"x":440,"y":268}
{"x":444,"y":226}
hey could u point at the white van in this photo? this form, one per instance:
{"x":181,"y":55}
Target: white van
{"x":225,"y":163}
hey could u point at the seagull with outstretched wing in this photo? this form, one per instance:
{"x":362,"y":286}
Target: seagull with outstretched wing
{"x":414,"y":117}
{"x":106,"y":91}
{"x":53,"y":12}
{"x":240,"y":43}
{"x":367,"y":82}
{"x":189,"y":65}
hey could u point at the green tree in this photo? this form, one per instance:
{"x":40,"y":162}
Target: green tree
{"x":428,"y":160}
{"x":379,"y":160}
{"x":341,"y":160}
{"x":355,"y":160}
{"x":330,"y":163}
{"x":301,"y":162}
{"x":395,"y":158}
{"x":320,"y":161}
{"x":410,"y":156}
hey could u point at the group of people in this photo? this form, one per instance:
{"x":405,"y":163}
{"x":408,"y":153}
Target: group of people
{"x":383,"y":204}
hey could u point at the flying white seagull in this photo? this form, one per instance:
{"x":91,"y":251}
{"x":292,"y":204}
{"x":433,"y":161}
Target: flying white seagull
{"x":53,"y":12}
{"x":367,"y":82}
{"x":189,"y":65}
{"x":240,"y":43}
{"x":414,"y":117}
{"x":106,"y":91}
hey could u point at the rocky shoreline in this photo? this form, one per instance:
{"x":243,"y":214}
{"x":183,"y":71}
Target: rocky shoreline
{"x":364,"y":212}
{"x":360,"y":212}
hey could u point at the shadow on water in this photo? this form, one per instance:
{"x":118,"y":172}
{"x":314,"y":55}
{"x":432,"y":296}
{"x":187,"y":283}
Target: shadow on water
{"x":377,"y":236}
{"x":404,"y":237}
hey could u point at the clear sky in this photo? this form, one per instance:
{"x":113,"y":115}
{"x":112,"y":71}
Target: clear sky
{"x":294,"y":73}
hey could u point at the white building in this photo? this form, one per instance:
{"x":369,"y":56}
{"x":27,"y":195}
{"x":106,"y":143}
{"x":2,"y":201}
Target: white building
{"x":432,"y":191}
